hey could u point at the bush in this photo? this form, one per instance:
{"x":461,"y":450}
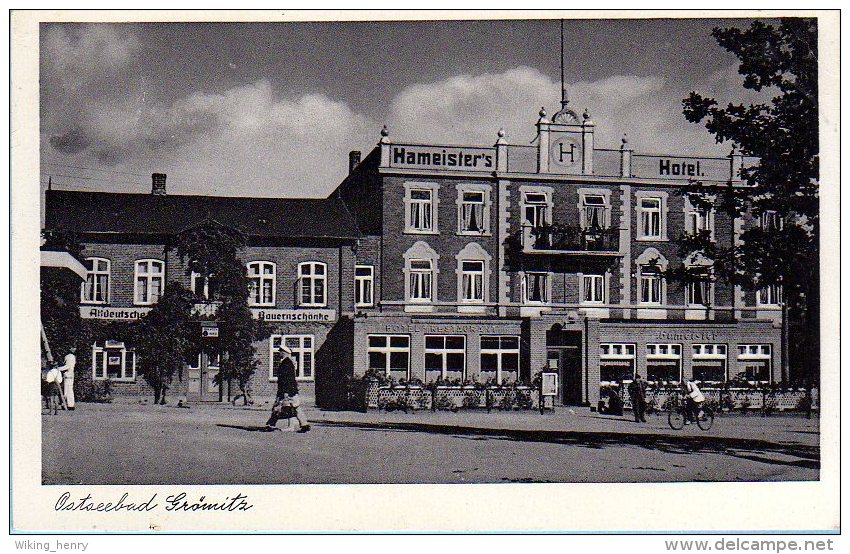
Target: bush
{"x":95,"y":391}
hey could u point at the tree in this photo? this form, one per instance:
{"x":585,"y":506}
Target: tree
{"x":211,"y":250}
{"x":781,"y":186}
{"x":163,"y":337}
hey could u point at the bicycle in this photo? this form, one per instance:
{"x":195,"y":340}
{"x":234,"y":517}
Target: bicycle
{"x":678,"y":413}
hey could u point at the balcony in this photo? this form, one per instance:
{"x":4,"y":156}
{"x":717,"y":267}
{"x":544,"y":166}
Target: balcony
{"x":570,"y":240}
{"x":205,"y":311}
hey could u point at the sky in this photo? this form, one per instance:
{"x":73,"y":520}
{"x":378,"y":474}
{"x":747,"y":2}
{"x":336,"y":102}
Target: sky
{"x":272,"y":109}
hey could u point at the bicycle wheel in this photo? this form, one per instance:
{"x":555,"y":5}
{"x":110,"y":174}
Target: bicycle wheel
{"x":676,"y":419}
{"x":705,"y":419}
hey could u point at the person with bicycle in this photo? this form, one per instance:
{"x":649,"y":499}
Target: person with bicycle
{"x":693,"y":400}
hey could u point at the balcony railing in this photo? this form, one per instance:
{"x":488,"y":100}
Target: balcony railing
{"x":570,"y":239}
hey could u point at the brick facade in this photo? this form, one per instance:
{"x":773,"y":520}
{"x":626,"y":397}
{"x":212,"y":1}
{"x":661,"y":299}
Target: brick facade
{"x":561,"y":334}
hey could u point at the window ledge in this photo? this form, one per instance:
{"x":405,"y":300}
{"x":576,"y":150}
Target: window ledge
{"x":419,"y":308}
{"x":417,"y":232}
{"x":473,"y":234}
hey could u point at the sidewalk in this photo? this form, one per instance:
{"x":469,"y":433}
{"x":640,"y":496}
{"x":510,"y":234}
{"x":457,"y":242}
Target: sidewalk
{"x":791,"y":428}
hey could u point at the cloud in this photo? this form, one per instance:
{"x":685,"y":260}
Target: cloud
{"x":243,"y":141}
{"x":252,"y":140}
{"x":470,"y":109}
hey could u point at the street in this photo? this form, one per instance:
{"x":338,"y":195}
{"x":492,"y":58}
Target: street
{"x":127,"y":443}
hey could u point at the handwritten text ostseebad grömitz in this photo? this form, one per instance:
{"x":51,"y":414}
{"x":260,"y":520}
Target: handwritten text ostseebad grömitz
{"x":173,"y":503}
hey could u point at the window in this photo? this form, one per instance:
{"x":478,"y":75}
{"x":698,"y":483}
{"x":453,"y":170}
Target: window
{"x":113,"y":361}
{"x":421,"y":281}
{"x":770,"y":220}
{"x":770,"y":295}
{"x":390,"y":354}
{"x":472,"y":281}
{"x":302,"y":354}
{"x":534,"y":288}
{"x":698,"y":292}
{"x":472,"y":212}
{"x":754,"y":362}
{"x":262,"y":283}
{"x":709,"y":362}
{"x":421,"y":267}
{"x":500,"y":358}
{"x":698,"y":221}
{"x":593,"y":289}
{"x":663,"y":362}
{"x":150,"y":279}
{"x":311,"y":276}
{"x":445,"y":357}
{"x":651,"y":285}
{"x":194,"y":361}
{"x":535,"y":209}
{"x":616,"y":362}
{"x":650,"y":218}
{"x":202,"y":285}
{"x":594,"y":213}
{"x":421,"y":210}
{"x":95,"y":290}
{"x":364,"y":285}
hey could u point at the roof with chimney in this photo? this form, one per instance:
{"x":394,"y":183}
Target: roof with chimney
{"x":107,"y":212}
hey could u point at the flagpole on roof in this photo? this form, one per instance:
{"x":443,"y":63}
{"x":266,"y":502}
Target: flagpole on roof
{"x":563,"y":86}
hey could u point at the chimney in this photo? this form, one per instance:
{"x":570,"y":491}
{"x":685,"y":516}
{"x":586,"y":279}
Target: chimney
{"x":353,"y":160}
{"x":158,"y":184}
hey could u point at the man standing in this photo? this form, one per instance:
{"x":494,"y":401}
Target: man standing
{"x":637,"y":392}
{"x":287,"y":393}
{"x":68,"y":376}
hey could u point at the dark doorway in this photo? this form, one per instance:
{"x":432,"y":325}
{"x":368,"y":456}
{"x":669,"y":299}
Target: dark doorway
{"x":563,"y":355}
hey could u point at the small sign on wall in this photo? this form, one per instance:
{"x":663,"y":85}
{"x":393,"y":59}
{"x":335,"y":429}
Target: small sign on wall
{"x":549,"y":384}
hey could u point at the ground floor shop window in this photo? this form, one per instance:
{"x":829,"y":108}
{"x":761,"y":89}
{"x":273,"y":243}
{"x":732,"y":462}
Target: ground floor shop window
{"x":754,"y":362}
{"x":709,"y":363}
{"x":445,"y":357}
{"x":114,"y":361}
{"x":301,"y":347}
{"x":390,"y":354}
{"x":663,"y":362}
{"x":616,"y":362}
{"x":500,"y":358}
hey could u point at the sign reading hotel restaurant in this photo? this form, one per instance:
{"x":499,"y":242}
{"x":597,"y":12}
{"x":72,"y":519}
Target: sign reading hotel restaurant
{"x":273,"y":315}
{"x":123,"y":314}
{"x":442,"y":157}
{"x":684,"y":168}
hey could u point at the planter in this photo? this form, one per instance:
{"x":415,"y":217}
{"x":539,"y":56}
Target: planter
{"x":735,"y":399}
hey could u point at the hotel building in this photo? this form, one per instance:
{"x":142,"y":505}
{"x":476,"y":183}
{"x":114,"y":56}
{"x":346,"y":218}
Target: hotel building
{"x":457,"y":262}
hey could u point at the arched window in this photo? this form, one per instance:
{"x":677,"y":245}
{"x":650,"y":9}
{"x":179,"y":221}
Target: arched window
{"x":652,"y":288}
{"x":95,"y":290}
{"x":312,"y":284}
{"x":473,"y":273}
{"x":149,"y":282}
{"x":421,"y":271}
{"x":262,"y":283}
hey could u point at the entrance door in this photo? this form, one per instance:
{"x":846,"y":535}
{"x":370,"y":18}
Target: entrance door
{"x":563,"y":353}
{"x":566,"y":361}
{"x":202,"y":373}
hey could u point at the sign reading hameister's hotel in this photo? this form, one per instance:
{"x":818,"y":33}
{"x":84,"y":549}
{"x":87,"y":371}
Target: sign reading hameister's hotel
{"x":465,"y":158}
